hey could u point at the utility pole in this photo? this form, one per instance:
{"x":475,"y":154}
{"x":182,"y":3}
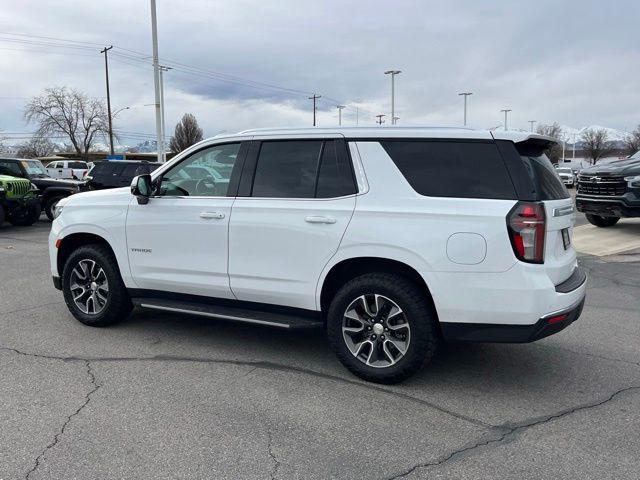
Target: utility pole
{"x":162,"y":124}
{"x":380,"y":118}
{"x":505,"y":110}
{"x":532,"y":122}
{"x":340,"y":107}
{"x":357,"y":115}
{"x":106,"y":72}
{"x":314,"y":98}
{"x":393,"y":74}
{"x":156,"y":81}
{"x":465,"y":95}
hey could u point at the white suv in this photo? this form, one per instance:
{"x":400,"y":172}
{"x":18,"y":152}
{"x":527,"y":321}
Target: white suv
{"x":392,"y":239}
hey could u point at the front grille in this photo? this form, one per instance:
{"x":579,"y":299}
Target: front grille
{"x":611,"y":186}
{"x":18,"y":189}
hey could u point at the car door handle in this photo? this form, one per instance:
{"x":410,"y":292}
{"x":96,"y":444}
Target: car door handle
{"x":318,"y":219}
{"x":216,"y":215}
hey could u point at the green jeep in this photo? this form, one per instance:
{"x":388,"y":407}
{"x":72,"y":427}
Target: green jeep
{"x":19,"y":204}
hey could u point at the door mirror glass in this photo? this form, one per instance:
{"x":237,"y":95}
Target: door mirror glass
{"x":141,"y":188}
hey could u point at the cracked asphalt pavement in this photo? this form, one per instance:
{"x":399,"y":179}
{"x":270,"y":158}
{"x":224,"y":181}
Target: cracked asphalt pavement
{"x":172,"y":396}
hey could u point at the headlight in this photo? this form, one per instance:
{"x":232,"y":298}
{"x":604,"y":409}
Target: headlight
{"x":57,"y":210}
{"x":633,"y":182}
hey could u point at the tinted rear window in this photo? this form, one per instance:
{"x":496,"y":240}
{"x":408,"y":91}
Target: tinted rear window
{"x":546,"y":181}
{"x":452,"y":168}
{"x":77,"y":165}
{"x":107,"y":168}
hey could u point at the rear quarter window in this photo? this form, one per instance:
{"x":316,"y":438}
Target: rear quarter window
{"x":546,"y":181}
{"x":462,"y":169}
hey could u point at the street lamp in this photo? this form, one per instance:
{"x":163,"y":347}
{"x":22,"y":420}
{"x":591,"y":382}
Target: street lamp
{"x":393,"y":74}
{"x":465,"y":95}
{"x":119,"y":110}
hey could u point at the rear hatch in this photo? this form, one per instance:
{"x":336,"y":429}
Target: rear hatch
{"x":549,"y":190}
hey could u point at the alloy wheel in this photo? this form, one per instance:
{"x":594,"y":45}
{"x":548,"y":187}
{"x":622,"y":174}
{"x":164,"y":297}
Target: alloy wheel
{"x":89,"y":287}
{"x":376,"y":330}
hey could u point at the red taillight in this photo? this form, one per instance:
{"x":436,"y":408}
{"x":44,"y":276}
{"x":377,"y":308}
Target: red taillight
{"x":526,"y":226}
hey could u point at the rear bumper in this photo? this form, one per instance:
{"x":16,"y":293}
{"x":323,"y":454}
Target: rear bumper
{"x":483,"y":332}
{"x":607,"y":207}
{"x":573,"y":290}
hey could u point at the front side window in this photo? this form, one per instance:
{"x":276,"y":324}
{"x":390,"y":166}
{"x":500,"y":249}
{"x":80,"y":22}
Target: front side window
{"x":205,"y":173}
{"x":302,"y":169}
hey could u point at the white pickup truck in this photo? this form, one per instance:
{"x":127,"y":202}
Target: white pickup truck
{"x":72,"y":169}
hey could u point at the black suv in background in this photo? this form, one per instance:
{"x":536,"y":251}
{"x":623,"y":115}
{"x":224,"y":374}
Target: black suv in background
{"x":117,"y":173}
{"x":608,"y":192}
{"x":50,"y":190}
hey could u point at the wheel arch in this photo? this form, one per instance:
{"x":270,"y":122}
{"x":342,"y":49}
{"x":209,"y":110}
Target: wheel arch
{"x":349,"y":268}
{"x":73,"y":241}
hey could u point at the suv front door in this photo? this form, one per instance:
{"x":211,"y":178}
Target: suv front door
{"x":178,"y":242}
{"x":296,"y":198}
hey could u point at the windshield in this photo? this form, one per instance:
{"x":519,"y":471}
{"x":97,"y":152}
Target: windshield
{"x":34,"y":167}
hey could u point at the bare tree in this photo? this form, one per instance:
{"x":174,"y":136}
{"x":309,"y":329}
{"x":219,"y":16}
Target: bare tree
{"x":37,"y":146}
{"x":632,"y":141}
{"x":554,"y":152}
{"x":596,"y":144}
{"x":68,"y":112}
{"x":186,"y":134}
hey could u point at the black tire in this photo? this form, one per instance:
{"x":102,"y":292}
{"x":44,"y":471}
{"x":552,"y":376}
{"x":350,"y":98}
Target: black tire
{"x":50,"y":204}
{"x":27,"y":218}
{"x":417,"y":311}
{"x":600,"y":221}
{"x":118,"y":304}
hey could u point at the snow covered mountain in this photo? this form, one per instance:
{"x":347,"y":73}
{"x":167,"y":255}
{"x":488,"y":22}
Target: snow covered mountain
{"x":572,"y":135}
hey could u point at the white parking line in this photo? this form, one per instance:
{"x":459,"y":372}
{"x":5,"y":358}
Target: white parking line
{"x":592,"y":240}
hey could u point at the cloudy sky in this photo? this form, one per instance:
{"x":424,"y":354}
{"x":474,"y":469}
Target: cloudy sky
{"x":251,"y":63}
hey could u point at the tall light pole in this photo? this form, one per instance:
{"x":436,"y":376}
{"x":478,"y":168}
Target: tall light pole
{"x":393,"y":74}
{"x":465,"y":95}
{"x":314,"y":98}
{"x":340,"y":107}
{"x":106,"y":72}
{"x":156,"y":81}
{"x":162,"y":69}
{"x":532,"y":122}
{"x":506,"y":111}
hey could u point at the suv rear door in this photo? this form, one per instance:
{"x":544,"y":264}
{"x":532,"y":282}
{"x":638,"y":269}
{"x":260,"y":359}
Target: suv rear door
{"x":296,"y":199}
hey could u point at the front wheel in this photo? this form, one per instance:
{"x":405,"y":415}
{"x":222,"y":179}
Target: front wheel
{"x":50,"y":205}
{"x":93,"y":289}
{"x":28,"y":217}
{"x":600,"y":221}
{"x":382,"y":327}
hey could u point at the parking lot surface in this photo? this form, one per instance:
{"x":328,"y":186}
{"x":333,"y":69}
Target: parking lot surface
{"x":172,"y":396}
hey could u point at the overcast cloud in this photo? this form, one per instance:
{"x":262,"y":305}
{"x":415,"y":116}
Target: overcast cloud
{"x":575,"y":62}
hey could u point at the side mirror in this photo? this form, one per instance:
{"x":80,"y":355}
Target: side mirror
{"x":141,"y":188}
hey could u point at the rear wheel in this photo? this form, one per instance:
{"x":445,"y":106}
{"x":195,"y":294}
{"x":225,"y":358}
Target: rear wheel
{"x":382,"y":328}
{"x":600,"y":221}
{"x":93,"y":289}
